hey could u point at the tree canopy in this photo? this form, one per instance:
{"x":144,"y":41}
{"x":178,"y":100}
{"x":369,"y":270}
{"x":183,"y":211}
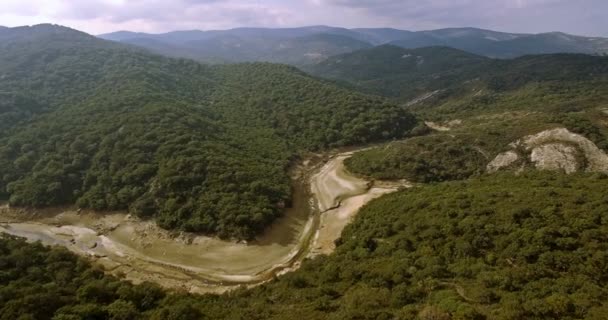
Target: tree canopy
{"x":199,"y":148}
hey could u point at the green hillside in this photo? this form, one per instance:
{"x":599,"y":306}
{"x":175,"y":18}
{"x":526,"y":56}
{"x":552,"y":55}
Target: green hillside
{"x":495,"y":102}
{"x":401,"y":73}
{"x":406,"y":74}
{"x":531,"y":246}
{"x":199,"y":148}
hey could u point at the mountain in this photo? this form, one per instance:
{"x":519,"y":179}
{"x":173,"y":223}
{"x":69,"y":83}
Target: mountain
{"x":199,"y":148}
{"x":293,"y":45}
{"x":379,"y":36}
{"x":468,"y":39}
{"x":300,"y":50}
{"x":405,"y":74}
{"x":546,"y":43}
{"x":504,"y":45}
{"x":197,"y":35}
{"x":298,"y":46}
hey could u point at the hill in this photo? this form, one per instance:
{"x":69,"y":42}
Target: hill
{"x":199,"y":148}
{"x":297,"y":51}
{"x":401,"y":73}
{"x":479,"y":106}
{"x":504,"y":45}
{"x":407,"y":74}
{"x":291,"y":45}
{"x":297,"y":46}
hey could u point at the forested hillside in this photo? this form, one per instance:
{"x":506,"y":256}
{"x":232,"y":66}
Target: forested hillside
{"x":531,"y":246}
{"x":407,"y":74}
{"x":200,"y":148}
{"x":402,"y":73}
{"x":493,"y":102}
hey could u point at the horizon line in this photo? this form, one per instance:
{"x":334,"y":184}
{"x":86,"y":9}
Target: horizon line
{"x":303,"y":27}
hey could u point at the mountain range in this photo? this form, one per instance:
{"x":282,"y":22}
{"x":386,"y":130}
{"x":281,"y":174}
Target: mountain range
{"x":308,"y":45}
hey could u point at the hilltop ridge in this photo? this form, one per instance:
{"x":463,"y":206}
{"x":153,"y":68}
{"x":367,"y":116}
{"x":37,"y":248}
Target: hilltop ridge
{"x":265,"y":44}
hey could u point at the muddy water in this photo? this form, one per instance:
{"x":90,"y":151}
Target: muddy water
{"x":139,"y":251}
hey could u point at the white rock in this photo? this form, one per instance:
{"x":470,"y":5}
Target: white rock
{"x":555,"y":156}
{"x":502,"y":160}
{"x":556,"y":149}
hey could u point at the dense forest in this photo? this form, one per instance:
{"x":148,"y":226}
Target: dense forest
{"x":407,"y":74}
{"x":494,"y":102}
{"x":466,"y":149}
{"x":400,"y":73}
{"x":531,"y":246}
{"x":199,"y":148}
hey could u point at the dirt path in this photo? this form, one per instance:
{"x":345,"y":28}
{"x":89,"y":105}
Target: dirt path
{"x":140,"y":251}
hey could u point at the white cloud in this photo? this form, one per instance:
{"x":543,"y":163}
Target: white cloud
{"x":96,"y":16}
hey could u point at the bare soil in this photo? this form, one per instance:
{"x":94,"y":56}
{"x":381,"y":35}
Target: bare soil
{"x":326,"y":198}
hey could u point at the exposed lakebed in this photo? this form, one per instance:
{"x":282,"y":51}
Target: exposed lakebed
{"x":326,"y":197}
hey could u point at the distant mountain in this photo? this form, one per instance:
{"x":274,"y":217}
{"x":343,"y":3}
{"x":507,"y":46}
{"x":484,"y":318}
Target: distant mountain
{"x":297,"y":51}
{"x":379,"y":36}
{"x":461,"y":38}
{"x":48,"y":33}
{"x":297,"y":46}
{"x":397,"y":72}
{"x":504,"y":45}
{"x":555,"y":42}
{"x":308,"y":45}
{"x":406,"y":74}
{"x":197,"y":35}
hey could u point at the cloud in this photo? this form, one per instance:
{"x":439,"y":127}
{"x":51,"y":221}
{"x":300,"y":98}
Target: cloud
{"x":162,"y":12}
{"x":95,"y":16}
{"x":145,"y":15}
{"x":510,"y":15}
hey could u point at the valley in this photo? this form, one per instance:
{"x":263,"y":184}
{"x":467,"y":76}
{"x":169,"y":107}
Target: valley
{"x":390,"y":175}
{"x":326,"y":198}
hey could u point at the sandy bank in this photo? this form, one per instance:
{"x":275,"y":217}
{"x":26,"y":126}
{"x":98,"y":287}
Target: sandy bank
{"x":140,"y":251}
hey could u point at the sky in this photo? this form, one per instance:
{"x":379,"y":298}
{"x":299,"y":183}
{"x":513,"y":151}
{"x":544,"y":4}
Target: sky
{"x":583,"y":17}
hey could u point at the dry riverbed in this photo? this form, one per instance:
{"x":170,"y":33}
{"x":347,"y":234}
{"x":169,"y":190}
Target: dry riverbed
{"x":326,"y":198}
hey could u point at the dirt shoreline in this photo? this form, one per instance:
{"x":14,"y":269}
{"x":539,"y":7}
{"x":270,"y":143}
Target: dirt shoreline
{"x":326,"y":198}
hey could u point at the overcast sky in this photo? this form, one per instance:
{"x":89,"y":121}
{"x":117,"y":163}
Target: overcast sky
{"x":585,"y":17}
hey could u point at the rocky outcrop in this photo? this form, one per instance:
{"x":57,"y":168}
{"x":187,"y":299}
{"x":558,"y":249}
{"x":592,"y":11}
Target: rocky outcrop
{"x":556,"y":149}
{"x":445,"y":126}
{"x":555,"y":156}
{"x":503,"y":160}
